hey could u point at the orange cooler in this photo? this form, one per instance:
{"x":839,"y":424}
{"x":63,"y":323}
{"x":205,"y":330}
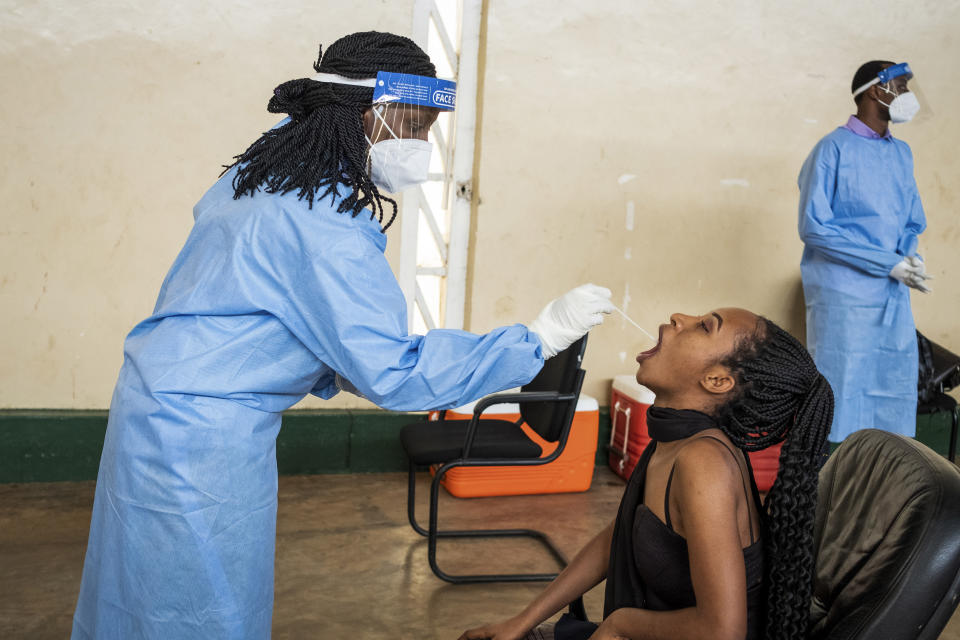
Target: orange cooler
{"x":571,"y":471}
{"x":629,"y":401}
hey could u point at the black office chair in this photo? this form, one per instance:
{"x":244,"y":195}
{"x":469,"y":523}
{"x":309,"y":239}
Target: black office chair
{"x":887,"y":540}
{"x":939,"y":373}
{"x":547,"y":405}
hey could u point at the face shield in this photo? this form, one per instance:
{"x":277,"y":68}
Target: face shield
{"x":898,"y":91}
{"x":404,"y":107}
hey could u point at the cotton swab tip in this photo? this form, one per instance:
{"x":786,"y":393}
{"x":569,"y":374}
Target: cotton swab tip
{"x":631,"y":321}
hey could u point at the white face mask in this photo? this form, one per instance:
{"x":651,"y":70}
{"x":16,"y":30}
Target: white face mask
{"x":903,"y":107}
{"x":398,"y":163}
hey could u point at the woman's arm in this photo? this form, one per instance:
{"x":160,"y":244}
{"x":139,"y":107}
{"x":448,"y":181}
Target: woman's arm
{"x":586,"y":570}
{"x":344,"y":304}
{"x":706,"y":486}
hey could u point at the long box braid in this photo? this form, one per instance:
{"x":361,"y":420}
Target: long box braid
{"x":782,"y":398}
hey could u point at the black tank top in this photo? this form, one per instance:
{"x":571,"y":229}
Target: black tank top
{"x":649,"y":563}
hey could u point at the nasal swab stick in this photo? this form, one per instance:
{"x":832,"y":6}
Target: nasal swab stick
{"x":630,"y":320}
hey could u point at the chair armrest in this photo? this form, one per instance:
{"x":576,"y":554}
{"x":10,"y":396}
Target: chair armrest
{"x":521,"y":396}
{"x":504,"y":398}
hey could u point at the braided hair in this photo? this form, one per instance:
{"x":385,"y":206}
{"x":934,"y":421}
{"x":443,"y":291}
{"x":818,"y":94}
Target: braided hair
{"x":782,"y":397}
{"x":323,"y":144}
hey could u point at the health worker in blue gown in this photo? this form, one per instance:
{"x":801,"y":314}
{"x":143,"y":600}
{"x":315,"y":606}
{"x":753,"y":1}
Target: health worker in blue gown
{"x":281,"y":290}
{"x":860,"y":218}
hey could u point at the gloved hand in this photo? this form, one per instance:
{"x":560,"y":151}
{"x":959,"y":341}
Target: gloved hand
{"x":912,"y":272}
{"x":566,"y":319}
{"x":917,"y":262}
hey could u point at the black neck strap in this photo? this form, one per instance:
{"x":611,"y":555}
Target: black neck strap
{"x":666,"y":425}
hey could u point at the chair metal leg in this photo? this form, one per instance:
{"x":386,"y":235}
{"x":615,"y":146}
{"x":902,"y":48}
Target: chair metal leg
{"x":412,"y":500}
{"x":412,"y":518}
{"x":433,"y":535}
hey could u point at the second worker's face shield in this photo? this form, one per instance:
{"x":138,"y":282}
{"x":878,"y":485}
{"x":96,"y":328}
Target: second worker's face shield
{"x":898,"y":92}
{"x":397,"y":125}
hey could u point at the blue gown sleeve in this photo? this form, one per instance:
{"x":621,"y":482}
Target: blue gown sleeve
{"x":345,"y":305}
{"x":818,"y":225}
{"x":916,"y":222}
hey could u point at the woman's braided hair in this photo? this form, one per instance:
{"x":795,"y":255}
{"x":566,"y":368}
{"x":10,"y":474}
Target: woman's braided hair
{"x":782,"y":397}
{"x":323,"y":144}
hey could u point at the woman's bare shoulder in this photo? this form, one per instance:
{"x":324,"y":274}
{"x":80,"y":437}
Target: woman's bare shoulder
{"x":709,"y":462}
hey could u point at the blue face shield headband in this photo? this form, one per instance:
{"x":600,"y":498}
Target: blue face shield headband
{"x":421,"y":91}
{"x":402,"y":88}
{"x":886,"y":75}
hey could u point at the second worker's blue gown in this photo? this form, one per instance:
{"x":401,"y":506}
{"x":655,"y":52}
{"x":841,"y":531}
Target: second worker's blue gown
{"x":267,"y":301}
{"x":860,"y":214}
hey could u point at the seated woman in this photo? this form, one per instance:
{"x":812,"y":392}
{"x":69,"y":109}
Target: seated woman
{"x":692,"y":553}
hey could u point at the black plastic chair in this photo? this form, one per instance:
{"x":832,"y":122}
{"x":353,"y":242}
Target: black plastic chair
{"x":547,"y":405}
{"x":887,"y":540}
{"x":939,"y":373}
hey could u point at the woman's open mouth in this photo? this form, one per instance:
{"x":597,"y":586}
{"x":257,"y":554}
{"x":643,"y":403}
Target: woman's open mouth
{"x":649,"y":353}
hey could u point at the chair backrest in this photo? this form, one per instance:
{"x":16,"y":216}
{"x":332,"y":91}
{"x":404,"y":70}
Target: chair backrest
{"x":560,"y":373}
{"x":939,"y":370}
{"x":887,"y":540}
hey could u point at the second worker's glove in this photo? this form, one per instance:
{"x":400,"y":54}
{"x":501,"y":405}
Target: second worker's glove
{"x":566,"y":319}
{"x":912,"y":272}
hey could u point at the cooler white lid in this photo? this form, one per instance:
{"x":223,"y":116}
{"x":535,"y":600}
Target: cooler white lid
{"x":628,"y":386}
{"x":584,"y":403}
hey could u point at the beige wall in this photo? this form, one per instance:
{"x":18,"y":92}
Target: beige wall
{"x":713,"y":108}
{"x":116,"y":116}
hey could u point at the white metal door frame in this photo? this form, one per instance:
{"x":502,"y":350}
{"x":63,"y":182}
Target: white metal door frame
{"x":448,"y":217}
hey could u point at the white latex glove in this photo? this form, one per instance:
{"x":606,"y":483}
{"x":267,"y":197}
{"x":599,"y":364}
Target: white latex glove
{"x":917,"y":263}
{"x":912,"y":272}
{"x":566,"y":319}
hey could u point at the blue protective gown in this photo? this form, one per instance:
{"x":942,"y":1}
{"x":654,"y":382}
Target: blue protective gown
{"x":267,"y":300}
{"x":860,"y":214}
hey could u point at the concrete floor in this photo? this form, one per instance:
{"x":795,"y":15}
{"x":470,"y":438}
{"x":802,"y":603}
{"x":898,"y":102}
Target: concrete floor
{"x":348,"y":564}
